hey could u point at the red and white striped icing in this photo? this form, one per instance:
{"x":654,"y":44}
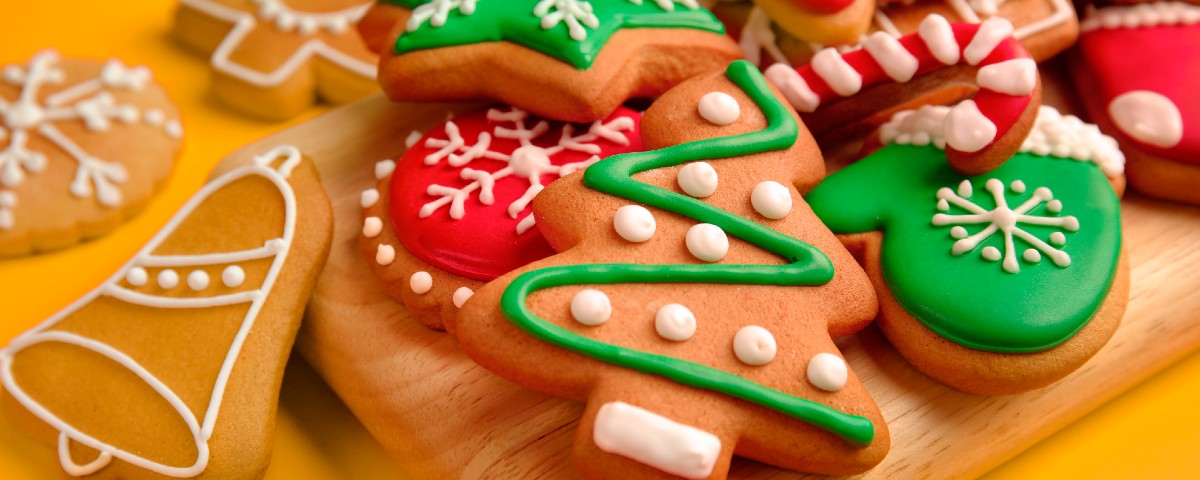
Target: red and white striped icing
{"x":1007,"y":75}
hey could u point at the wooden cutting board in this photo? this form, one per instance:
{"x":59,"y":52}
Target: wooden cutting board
{"x":441,"y":416}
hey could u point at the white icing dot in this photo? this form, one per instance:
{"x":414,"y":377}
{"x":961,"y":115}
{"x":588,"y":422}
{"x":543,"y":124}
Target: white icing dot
{"x":137,"y":276}
{"x":1054,"y":206}
{"x":591,"y":307}
{"x":1149,"y":117}
{"x":233,"y":276}
{"x":197,"y":280}
{"x":958,"y":232}
{"x":412,"y":138}
{"x":943,"y":204}
{"x":370,"y":197}
{"x":675,"y":322}
{"x":965,"y":189}
{"x":991,"y":254}
{"x":1032,"y":255}
{"x":1018,"y":186}
{"x":461,"y":296}
{"x":372,"y":226}
{"x":384,"y":168}
{"x":1058,"y":238}
{"x":385,"y":255}
{"x":168,"y":279}
{"x":173,"y":129}
{"x":634,"y":223}
{"x":754,"y":345}
{"x":697,"y":179}
{"x":719,"y":108}
{"x":771,"y":199}
{"x":421,"y":283}
{"x":154,"y":117}
{"x":828,"y":372}
{"x":707,"y":242}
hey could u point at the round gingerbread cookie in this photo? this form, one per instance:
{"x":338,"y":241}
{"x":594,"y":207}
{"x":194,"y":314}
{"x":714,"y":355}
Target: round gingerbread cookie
{"x":272,"y":59}
{"x":454,"y":211}
{"x":84,"y":145}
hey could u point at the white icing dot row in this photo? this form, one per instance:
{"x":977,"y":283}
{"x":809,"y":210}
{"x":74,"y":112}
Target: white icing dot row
{"x":232,"y":277}
{"x":1140,"y":15}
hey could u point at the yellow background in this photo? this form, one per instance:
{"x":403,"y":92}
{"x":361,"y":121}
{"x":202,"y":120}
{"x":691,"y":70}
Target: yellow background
{"x":1152,"y":431}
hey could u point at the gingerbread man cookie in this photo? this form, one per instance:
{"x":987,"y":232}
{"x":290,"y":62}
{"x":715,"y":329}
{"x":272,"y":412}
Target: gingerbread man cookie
{"x":694,"y":318}
{"x":997,"y":283}
{"x":83,"y":146}
{"x":1135,"y":69}
{"x":172,"y":366}
{"x":272,"y":59}
{"x":571,"y":60}
{"x":454,"y":211}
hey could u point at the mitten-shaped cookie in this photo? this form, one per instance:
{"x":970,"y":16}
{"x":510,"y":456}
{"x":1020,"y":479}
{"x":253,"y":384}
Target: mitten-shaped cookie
{"x":454,"y":211}
{"x":172,"y":366}
{"x":847,"y":94}
{"x":274,"y":58}
{"x":694,"y":299}
{"x":996,"y":283}
{"x":572,"y":60}
{"x":1137,"y":67}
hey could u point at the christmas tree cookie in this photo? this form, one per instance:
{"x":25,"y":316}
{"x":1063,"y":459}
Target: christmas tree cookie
{"x":454,"y":211}
{"x":572,"y":60}
{"x":694,"y":299}
{"x":995,"y":283}
{"x":172,"y":367}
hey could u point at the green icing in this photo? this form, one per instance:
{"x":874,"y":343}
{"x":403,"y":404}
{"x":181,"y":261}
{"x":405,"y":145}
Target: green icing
{"x":808,"y":266}
{"x":514,"y":20}
{"x":966,"y":298}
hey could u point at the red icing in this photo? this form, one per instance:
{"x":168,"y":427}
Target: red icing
{"x":822,"y":6}
{"x":484,"y":243}
{"x":1002,"y":109}
{"x":1162,"y":59}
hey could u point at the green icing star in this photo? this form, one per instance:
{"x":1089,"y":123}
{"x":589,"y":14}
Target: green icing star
{"x":573,"y":31}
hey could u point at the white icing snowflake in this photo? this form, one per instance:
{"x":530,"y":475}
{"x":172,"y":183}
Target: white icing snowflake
{"x":577,"y":14}
{"x":437,"y":12}
{"x":1008,"y":221}
{"x":90,"y":102}
{"x":528,"y":161}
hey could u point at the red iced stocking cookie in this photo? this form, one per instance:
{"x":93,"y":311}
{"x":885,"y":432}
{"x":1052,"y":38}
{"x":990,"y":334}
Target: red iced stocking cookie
{"x":455,"y":212}
{"x":693,"y":300}
{"x":172,"y":367}
{"x":1137,"y":73}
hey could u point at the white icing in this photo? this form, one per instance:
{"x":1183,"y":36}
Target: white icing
{"x":697,"y":179}
{"x":771,"y":199}
{"x":201,"y":427}
{"x":1032,"y":255}
{"x":655,"y":440}
{"x":525,"y":224}
{"x":233,"y":276}
{"x":137,"y":277}
{"x":1015,"y":77}
{"x":154,"y":117}
{"x":1007,"y":222}
{"x":591,"y":307}
{"x":669,"y":5}
{"x":168,"y":279}
{"x":1017,"y":186}
{"x":991,"y":32}
{"x":436,"y":12}
{"x":529,"y":162}
{"x":412,"y":138}
{"x":370,"y":197}
{"x":197,"y":280}
{"x":828,"y":372}
{"x":707,"y":242}
{"x":1156,"y":14}
{"x":895,"y":60}
{"x":719,"y":108}
{"x":634,"y":223}
{"x":576,"y":14}
{"x":675,"y":322}
{"x":1148,"y":117}
{"x":91,"y":101}
{"x":385,"y":254}
{"x":372,"y":227}
{"x":935,"y":31}
{"x":754,"y":345}
{"x":793,"y":86}
{"x":285,"y":18}
{"x":420,"y":282}
{"x":461,"y":296}
{"x":757,"y":36}
{"x":1057,"y":238}
{"x":833,"y":69}
{"x":383,"y":168}
{"x":967,"y":130}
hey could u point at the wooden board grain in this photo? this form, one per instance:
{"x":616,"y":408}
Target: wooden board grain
{"x":441,"y":416}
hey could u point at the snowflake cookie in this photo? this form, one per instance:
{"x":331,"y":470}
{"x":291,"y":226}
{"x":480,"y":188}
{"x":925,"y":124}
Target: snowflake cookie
{"x":455,"y":210}
{"x":693,"y":300}
{"x":83,"y":145}
{"x":995,"y":283}
{"x":172,"y":366}
{"x":272,"y":59}
{"x":571,"y":60}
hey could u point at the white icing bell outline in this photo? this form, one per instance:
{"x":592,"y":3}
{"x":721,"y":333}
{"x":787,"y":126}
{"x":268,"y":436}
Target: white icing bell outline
{"x":182,"y":297}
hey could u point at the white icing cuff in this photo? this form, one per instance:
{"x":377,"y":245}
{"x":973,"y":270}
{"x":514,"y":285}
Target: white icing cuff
{"x":655,"y":440}
{"x":1159,"y":14}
